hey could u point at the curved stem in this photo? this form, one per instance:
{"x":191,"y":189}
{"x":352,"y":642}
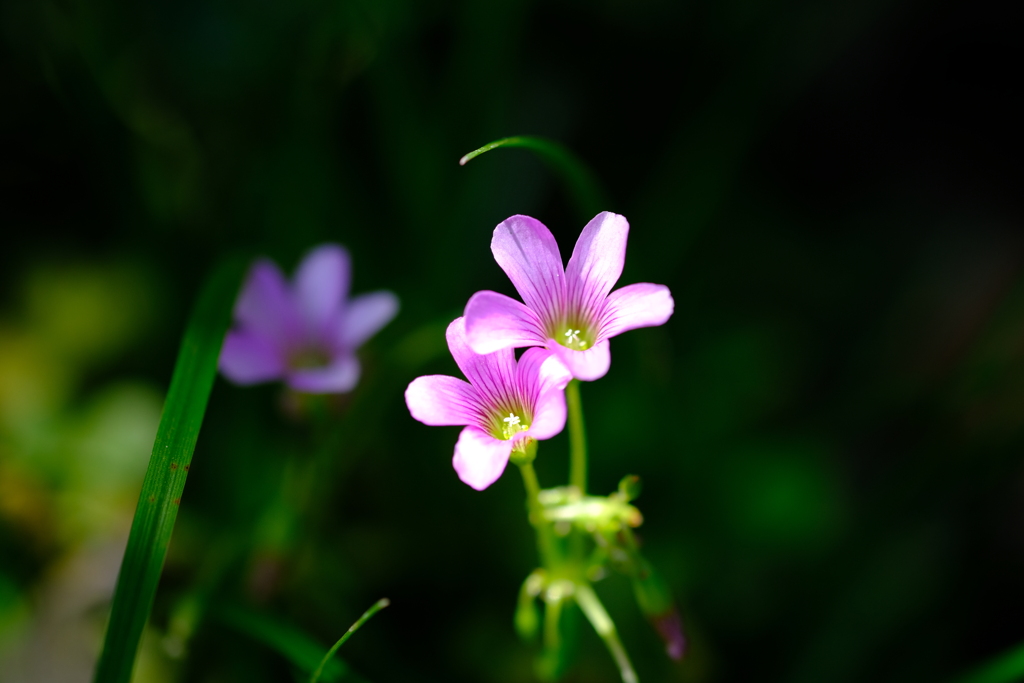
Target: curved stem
{"x":577,"y":438}
{"x":583,"y":186}
{"x":605,"y":627}
{"x":377,"y":606}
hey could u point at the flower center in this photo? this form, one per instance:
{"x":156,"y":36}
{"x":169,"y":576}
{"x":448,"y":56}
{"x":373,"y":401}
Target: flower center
{"x":575,"y":339}
{"x":512,"y":426}
{"x":308,"y":358}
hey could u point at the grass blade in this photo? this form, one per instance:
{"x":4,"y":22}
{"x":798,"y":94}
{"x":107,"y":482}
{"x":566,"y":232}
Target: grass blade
{"x":377,"y":606}
{"x":584,"y":188}
{"x":164,"y":482}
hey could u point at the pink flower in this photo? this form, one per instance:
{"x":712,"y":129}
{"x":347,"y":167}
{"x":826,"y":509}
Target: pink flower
{"x":305,"y":332}
{"x":569,"y":312}
{"x":503,"y":404}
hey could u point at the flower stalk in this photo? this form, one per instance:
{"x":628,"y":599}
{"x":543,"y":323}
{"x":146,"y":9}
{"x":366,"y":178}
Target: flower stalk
{"x":605,"y":627}
{"x":545,"y":538}
{"x":577,"y":438}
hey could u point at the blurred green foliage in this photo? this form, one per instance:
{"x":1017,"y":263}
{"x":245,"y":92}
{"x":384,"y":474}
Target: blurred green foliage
{"x":829,"y":429}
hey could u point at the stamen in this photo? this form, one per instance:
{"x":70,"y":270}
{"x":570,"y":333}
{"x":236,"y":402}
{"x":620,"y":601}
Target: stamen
{"x":572,"y":335}
{"x":513,"y":426}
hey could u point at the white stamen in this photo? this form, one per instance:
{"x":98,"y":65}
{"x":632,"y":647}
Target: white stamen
{"x":513,"y":426}
{"x":572,"y":335}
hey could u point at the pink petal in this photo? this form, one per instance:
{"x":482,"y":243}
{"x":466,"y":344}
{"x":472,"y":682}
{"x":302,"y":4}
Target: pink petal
{"x":527,"y":252}
{"x":439,"y":400}
{"x":584,"y":365}
{"x":250,"y":358}
{"x":321,"y":286}
{"x":540,"y":370}
{"x":542,"y":377}
{"x":495,"y":321}
{"x":364,"y":316}
{"x":633,"y":306}
{"x":492,"y":374}
{"x":340,"y":376}
{"x":265,"y":305}
{"x":597,"y":260}
{"x":480,"y":458}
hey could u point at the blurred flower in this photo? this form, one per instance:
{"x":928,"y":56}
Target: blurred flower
{"x":569,"y":312}
{"x":304,"y":332}
{"x":503,"y":404}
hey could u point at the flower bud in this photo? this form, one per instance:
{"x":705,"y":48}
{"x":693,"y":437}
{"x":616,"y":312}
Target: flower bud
{"x":629,"y":487}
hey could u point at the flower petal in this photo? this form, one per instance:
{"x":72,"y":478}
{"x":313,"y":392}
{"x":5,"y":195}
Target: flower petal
{"x":340,"y":376}
{"x":598,"y":257}
{"x":321,"y":286}
{"x":527,"y":252}
{"x":633,"y":306}
{"x":495,"y":321}
{"x":364,"y":316}
{"x":248,"y":357}
{"x":492,"y":374}
{"x":584,"y":365}
{"x":542,"y":378}
{"x":480,"y":458}
{"x":439,"y":400}
{"x":265,"y":305}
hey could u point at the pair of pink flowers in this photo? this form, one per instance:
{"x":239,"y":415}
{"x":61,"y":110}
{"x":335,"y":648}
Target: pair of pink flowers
{"x":567,"y":315}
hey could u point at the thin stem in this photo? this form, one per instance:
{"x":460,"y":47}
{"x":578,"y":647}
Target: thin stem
{"x":552,"y":615}
{"x":377,"y":606}
{"x":577,"y":438}
{"x":605,"y":627}
{"x":545,"y":541}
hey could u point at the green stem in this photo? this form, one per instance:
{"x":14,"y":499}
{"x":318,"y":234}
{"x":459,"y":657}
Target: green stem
{"x":577,"y":438}
{"x":377,"y":606}
{"x":583,"y":186}
{"x":552,"y":615}
{"x":605,"y":627}
{"x":545,"y":540}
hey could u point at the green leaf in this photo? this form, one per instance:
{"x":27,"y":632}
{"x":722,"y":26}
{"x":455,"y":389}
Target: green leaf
{"x":164,"y":482}
{"x":584,"y":188}
{"x":1006,"y":668}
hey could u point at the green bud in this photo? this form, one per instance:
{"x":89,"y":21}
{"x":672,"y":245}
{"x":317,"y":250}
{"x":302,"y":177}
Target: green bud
{"x":527,"y":617}
{"x":629,"y":487}
{"x":524,"y":452}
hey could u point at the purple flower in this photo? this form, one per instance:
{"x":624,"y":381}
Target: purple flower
{"x":306,"y":331}
{"x":503,"y":404}
{"x":569,"y":312}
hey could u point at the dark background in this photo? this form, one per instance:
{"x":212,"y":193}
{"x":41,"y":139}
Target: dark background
{"x":829,"y":428}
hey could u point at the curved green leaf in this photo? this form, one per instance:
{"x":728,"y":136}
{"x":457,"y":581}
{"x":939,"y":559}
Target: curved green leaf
{"x":584,"y":188}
